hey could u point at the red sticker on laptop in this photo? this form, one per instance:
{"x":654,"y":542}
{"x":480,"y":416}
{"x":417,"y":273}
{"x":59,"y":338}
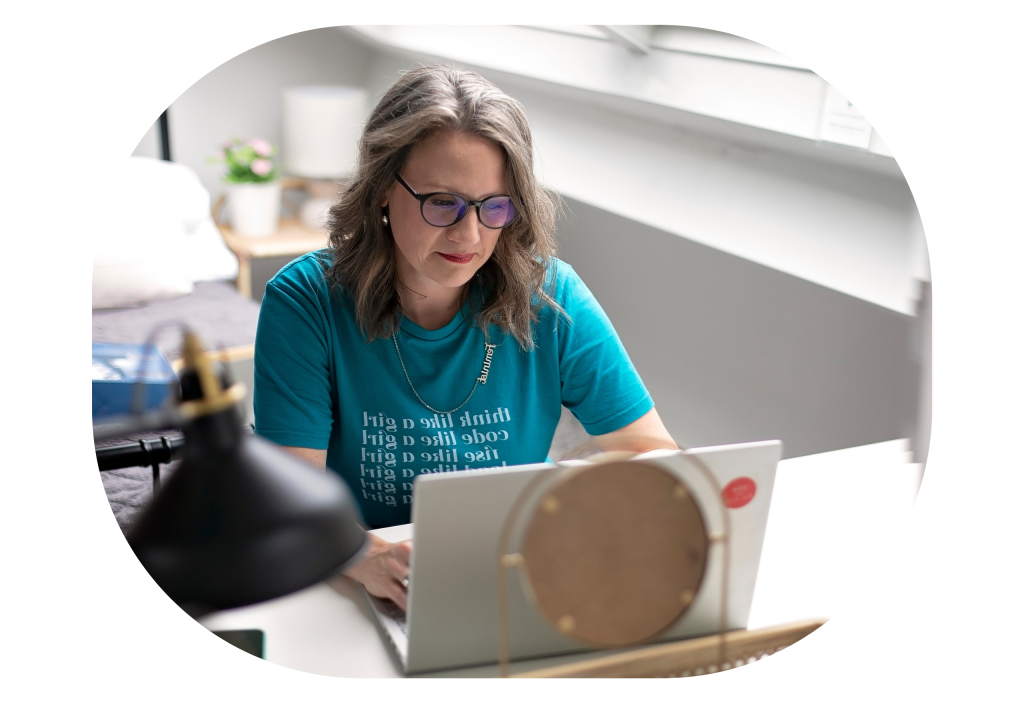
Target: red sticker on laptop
{"x":739,"y":492}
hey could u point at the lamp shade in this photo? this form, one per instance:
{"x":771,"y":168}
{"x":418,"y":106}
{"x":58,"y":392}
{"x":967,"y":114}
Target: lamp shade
{"x":242,"y":521}
{"x":322,"y":125}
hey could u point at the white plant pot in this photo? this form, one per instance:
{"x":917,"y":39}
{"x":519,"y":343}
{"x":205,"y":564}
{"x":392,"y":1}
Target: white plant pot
{"x":255,"y":208}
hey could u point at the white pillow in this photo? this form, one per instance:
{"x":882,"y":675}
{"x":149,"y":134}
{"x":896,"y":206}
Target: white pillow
{"x":162,"y":238}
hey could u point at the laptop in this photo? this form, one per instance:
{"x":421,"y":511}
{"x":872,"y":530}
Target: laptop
{"x":452,"y":619}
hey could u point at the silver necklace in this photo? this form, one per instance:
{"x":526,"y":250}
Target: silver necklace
{"x":482,"y":379}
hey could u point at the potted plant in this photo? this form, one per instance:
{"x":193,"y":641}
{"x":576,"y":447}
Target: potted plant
{"x":254,"y":193}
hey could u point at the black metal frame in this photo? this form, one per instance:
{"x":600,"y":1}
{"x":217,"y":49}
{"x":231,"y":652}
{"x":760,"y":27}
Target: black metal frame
{"x":422,"y":198}
{"x":165,"y":137}
{"x":147,"y":453}
{"x":142,"y":453}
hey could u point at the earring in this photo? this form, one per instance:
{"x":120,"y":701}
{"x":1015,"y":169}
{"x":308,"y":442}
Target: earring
{"x":384,"y":219}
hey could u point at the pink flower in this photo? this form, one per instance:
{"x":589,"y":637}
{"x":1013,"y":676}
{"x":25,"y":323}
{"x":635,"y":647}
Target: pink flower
{"x":261,"y":167}
{"x":261,"y":147}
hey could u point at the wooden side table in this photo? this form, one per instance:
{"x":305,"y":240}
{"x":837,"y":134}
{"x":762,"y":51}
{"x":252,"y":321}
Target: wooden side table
{"x":292,"y":239}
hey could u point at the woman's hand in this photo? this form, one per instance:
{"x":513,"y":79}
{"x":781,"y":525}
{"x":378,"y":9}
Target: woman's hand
{"x":383,"y":568}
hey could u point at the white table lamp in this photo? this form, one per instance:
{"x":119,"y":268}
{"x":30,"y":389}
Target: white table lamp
{"x":322,"y":125}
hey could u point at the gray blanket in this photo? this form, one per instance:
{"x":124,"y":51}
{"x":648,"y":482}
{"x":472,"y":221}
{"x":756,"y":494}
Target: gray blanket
{"x":215,"y":310}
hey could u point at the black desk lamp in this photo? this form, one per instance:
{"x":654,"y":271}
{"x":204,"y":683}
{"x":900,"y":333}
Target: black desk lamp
{"x":240,"y":521}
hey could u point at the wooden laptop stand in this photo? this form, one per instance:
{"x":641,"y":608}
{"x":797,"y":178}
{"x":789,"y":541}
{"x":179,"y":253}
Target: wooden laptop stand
{"x":694,"y":656}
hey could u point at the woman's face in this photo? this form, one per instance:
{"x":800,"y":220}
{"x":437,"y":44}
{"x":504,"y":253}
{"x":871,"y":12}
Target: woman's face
{"x":440,"y":260}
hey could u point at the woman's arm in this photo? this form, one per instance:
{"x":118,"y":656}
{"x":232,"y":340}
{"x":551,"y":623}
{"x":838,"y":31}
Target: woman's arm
{"x":385,"y":564}
{"x":317,"y":458}
{"x":639,"y":434}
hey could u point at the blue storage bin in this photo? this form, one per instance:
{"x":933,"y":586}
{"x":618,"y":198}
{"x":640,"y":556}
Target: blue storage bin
{"x":115,"y":369}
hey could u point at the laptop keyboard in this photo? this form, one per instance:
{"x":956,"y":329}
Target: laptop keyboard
{"x":396,"y":613}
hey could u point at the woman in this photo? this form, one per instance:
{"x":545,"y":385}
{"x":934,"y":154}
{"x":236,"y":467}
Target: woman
{"x":437,"y":332}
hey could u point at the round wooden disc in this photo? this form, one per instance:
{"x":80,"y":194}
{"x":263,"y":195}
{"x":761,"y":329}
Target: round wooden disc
{"x":615,"y":553}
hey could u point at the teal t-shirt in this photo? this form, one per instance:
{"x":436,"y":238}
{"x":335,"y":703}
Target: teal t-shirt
{"x":318,"y":384}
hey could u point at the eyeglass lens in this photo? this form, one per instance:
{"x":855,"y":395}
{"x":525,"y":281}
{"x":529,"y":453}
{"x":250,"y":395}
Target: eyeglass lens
{"x":444,"y":209}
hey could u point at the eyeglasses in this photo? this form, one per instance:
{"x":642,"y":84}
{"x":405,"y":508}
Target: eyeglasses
{"x":446,"y":209}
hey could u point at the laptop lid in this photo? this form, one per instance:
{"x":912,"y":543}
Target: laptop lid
{"x":457,"y":521}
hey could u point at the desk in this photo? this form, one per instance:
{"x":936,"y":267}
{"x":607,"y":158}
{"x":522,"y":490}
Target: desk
{"x":816,"y":547}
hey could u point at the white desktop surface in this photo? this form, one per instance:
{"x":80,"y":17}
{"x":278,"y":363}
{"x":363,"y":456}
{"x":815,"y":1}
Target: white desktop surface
{"x":827,"y":513}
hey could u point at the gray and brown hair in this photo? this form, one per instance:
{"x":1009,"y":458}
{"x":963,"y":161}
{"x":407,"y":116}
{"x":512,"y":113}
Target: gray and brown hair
{"x":422,"y":101}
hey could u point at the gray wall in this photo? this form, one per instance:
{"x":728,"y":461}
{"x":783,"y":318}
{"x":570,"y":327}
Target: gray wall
{"x":242,"y":97}
{"x":734,"y":351}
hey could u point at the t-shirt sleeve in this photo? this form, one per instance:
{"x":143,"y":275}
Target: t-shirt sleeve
{"x":599,"y":383}
{"x":292,"y":396}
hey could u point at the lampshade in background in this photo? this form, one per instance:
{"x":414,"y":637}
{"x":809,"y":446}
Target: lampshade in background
{"x":322,"y":125}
